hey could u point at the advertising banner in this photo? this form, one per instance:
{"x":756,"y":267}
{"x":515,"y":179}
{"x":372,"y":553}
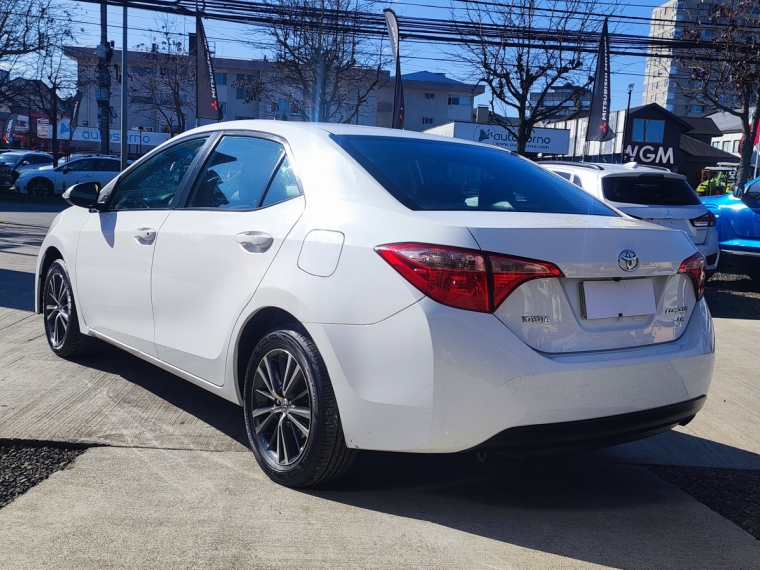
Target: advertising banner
{"x":546,"y":141}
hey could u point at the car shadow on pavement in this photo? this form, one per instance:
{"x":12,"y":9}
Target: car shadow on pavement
{"x":16,"y":290}
{"x":731,"y":294}
{"x":577,"y":506}
{"x":220,"y":414}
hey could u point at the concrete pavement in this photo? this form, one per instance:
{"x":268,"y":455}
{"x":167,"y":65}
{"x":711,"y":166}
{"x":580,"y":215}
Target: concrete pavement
{"x":178,"y":488}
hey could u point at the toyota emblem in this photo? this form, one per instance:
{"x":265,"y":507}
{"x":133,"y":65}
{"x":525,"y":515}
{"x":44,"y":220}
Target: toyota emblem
{"x":628,"y":261}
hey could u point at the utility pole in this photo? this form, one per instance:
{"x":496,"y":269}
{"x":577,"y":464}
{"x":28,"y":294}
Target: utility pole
{"x":625,"y":123}
{"x":103,"y":93}
{"x":124,"y":92}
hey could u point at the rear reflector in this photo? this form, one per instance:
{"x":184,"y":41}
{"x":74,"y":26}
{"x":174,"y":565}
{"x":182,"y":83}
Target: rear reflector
{"x":695,"y":268}
{"x":706,"y":221}
{"x":463,"y":278}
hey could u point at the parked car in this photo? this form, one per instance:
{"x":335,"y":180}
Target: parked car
{"x":15,"y":163}
{"x":51,"y":181}
{"x":649,"y":193}
{"x":362,"y":288}
{"x":738,"y":225}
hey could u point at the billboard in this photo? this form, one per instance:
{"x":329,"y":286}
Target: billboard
{"x":546,"y":141}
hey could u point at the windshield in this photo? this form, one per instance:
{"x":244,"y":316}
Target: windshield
{"x":442,"y":175}
{"x":649,"y":190}
{"x":10,"y":157}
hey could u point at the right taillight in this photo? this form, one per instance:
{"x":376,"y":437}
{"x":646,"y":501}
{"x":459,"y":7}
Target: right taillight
{"x":695,"y":268}
{"x":463,"y":278}
{"x":706,"y":221}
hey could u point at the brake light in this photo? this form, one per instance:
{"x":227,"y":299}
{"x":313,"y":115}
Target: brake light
{"x":463,"y":278}
{"x":695,"y":268}
{"x":706,"y":221}
{"x":511,"y":272}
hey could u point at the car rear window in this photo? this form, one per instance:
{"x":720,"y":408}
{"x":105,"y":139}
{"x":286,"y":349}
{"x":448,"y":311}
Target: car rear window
{"x":650,"y":190}
{"x":442,"y":175}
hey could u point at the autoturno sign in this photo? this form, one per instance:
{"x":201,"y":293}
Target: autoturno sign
{"x":546,"y":141}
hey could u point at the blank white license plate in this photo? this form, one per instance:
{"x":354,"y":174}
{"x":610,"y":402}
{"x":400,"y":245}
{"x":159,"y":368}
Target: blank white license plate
{"x":625,"y":298}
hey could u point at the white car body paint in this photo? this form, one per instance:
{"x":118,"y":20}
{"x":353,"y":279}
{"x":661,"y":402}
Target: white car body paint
{"x":409,"y":374}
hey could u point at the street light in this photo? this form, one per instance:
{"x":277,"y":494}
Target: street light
{"x":625,"y":123}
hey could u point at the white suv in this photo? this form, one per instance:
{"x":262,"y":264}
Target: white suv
{"x":650,"y":193}
{"x":51,"y":181}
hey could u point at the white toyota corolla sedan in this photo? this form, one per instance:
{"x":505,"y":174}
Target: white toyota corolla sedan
{"x":362,"y":288}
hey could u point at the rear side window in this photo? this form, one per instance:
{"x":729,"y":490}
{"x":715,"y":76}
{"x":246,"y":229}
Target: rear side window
{"x":441,"y":175}
{"x":650,"y":190}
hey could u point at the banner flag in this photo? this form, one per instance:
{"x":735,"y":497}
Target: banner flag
{"x":74,"y":114}
{"x":10,"y":128}
{"x":207,"y":99}
{"x":399,"y":110}
{"x":599,"y":115}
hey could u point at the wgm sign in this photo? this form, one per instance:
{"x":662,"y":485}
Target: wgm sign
{"x":649,"y":154}
{"x":546,"y":141}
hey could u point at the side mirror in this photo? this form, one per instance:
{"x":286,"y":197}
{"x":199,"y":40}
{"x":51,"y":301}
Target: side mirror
{"x":84,"y":195}
{"x":751,"y":192}
{"x":65,"y":170}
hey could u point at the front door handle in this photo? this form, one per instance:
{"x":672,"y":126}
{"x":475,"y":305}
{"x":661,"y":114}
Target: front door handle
{"x":145,"y":236}
{"x":255,"y":242}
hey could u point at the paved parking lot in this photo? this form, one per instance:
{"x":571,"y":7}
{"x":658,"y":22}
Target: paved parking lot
{"x":173,"y":485}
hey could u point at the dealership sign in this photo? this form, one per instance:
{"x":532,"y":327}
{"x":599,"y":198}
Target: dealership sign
{"x":546,"y":141}
{"x":649,"y":154}
{"x":87,"y":134}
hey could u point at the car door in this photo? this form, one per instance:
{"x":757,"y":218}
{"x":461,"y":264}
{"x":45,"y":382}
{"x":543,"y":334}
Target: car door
{"x":116,"y":246}
{"x":106,"y":170}
{"x":72,"y":173}
{"x":212,"y":253}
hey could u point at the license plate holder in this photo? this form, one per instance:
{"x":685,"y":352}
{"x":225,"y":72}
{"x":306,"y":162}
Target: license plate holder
{"x":615,"y":299}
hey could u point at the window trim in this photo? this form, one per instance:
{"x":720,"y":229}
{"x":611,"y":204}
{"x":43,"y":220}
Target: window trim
{"x":202,"y":152}
{"x":187,"y":186}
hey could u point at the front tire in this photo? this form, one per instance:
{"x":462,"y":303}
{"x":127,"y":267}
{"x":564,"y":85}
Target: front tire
{"x":40,"y":187}
{"x":291,"y":414}
{"x":60,"y":314}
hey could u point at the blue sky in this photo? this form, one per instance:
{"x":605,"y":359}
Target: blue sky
{"x":227,"y":38}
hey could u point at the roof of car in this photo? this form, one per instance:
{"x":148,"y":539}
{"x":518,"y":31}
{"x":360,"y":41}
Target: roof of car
{"x":296,"y":128}
{"x":604,"y":169}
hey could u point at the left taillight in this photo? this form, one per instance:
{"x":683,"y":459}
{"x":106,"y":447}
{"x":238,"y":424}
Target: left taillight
{"x":463,"y":278}
{"x":705,"y":221}
{"x":694,"y":267}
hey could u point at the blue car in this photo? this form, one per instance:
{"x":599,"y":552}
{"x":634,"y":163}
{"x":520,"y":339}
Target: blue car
{"x":738,"y":223}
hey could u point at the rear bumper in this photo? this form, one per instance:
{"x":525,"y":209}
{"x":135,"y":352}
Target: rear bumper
{"x":582,"y":435}
{"x":710,"y":249}
{"x":742,"y":255}
{"x":436,"y":379}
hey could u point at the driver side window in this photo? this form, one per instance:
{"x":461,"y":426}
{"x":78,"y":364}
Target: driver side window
{"x":153,"y":184}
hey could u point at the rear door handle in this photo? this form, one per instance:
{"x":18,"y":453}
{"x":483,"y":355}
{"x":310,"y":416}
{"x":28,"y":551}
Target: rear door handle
{"x":255,"y":242}
{"x":145,"y":236}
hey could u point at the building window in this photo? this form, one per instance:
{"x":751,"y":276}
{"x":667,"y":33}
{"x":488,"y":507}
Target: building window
{"x":427,"y":120}
{"x":648,"y":130}
{"x":220,"y":78}
{"x":726,"y":146}
{"x":736,"y":146}
{"x":697,"y":109}
{"x":242,"y":92}
{"x":460,"y":100}
{"x":429,"y":95}
{"x":716,"y":144}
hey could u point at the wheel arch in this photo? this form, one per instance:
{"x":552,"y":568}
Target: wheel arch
{"x":257,"y":325}
{"x":51,"y":254}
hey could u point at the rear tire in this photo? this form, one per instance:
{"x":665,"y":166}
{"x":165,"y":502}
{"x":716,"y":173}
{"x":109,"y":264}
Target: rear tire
{"x":60,"y":314}
{"x":291,"y":414}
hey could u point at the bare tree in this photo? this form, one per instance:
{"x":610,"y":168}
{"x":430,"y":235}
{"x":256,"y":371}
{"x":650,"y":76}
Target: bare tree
{"x":323,"y":66}
{"x":49,"y":90}
{"x":162,"y":80}
{"x":28,"y":27}
{"x":724,"y":61}
{"x":523,"y":47}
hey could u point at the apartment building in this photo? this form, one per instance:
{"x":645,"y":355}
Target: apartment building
{"x":664,"y":78}
{"x":430,"y":99}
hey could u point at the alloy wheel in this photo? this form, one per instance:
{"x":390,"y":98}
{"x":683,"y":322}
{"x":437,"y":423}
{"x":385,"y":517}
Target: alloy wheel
{"x":57,"y":309}
{"x":281,"y":407}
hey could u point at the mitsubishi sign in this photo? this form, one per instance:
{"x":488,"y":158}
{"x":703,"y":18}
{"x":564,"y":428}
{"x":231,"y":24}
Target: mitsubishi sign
{"x":546,"y":141}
